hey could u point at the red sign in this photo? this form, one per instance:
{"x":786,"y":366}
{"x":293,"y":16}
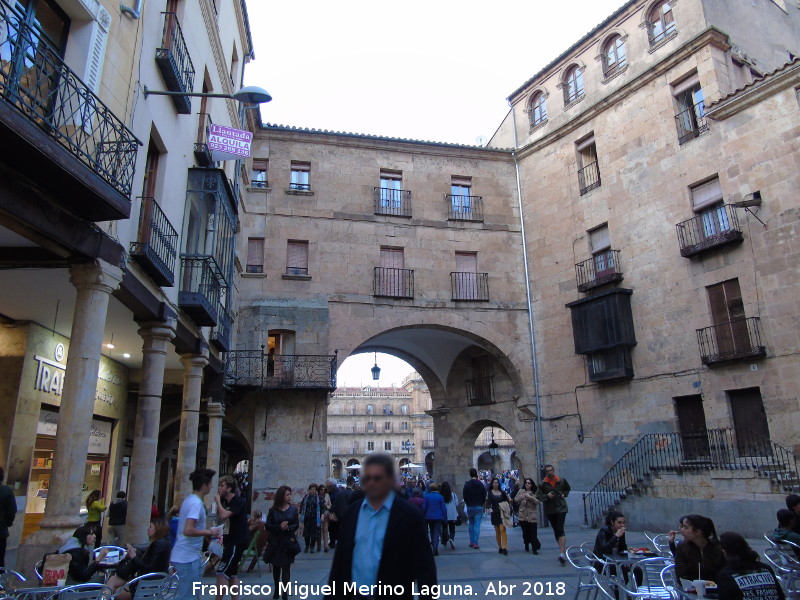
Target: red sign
{"x":228,"y":143}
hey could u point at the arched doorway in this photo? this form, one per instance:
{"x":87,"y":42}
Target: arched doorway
{"x":429,"y":458}
{"x":493,"y":450}
{"x":485,"y":462}
{"x":336,"y":469}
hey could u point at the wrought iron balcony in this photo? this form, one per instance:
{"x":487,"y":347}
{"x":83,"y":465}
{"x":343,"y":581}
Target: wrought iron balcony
{"x":175,"y":64}
{"x":55,"y":130}
{"x":202,"y":153}
{"x":155,"y":250}
{"x":221,"y":336}
{"x":395,"y":203}
{"x":599,"y":270}
{"x":734,"y":340}
{"x":691,"y":123}
{"x":299,"y":187}
{"x":393,"y":283}
{"x":710,"y":229}
{"x":260,"y":370}
{"x":480,"y":390}
{"x":469,"y":287}
{"x":426,"y":444}
{"x":589,"y":177}
{"x":201,"y":289}
{"x":464,"y":208}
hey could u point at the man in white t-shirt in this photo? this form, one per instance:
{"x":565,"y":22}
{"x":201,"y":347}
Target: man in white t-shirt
{"x":187,"y":553}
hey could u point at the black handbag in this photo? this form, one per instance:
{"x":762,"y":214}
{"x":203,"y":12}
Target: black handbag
{"x":293,"y":548}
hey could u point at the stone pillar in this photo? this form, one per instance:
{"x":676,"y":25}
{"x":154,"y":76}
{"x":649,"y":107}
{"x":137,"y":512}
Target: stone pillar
{"x":193,"y":365}
{"x":156,"y":337}
{"x":94,"y":281}
{"x":216,"y":413}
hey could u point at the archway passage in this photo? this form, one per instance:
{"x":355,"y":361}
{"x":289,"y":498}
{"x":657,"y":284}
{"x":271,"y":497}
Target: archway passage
{"x":429,"y":462}
{"x":485,"y":462}
{"x":493,"y":450}
{"x":337,"y":469}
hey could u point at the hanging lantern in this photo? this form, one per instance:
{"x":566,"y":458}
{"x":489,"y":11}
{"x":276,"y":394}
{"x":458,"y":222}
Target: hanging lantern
{"x":493,"y":447}
{"x":376,"y":370}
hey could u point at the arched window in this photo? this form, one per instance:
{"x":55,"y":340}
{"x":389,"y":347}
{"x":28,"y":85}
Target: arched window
{"x":538,"y":109}
{"x":573,"y":84}
{"x":370,"y":409}
{"x":614,"y":55}
{"x":660,"y":22}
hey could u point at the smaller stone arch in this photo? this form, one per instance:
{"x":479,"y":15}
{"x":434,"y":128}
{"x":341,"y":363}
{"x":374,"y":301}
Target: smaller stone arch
{"x":430,"y":457}
{"x":337,"y":468}
{"x":485,"y":462}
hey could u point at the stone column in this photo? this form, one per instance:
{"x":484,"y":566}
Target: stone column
{"x":193,"y":365}
{"x":216,"y":413}
{"x":94,"y":281}
{"x":156,"y":337}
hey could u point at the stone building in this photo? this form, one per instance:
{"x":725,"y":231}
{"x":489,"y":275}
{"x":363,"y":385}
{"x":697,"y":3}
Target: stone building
{"x":393,"y":420}
{"x":114,"y":290}
{"x":649,"y":315}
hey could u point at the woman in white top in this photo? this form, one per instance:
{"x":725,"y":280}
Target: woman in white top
{"x":451,"y":503}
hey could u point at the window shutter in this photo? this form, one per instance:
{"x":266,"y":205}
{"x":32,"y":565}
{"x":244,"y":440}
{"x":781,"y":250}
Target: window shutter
{"x":462,"y":181}
{"x":717,"y":303}
{"x":392,"y":258}
{"x":260,"y":164}
{"x":706,"y":194}
{"x":466,"y":262}
{"x":255,"y":251}
{"x":599,"y":239}
{"x":97,"y":49}
{"x":297,"y":255}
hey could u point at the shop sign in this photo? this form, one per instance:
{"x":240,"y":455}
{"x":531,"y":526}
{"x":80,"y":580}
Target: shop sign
{"x":51,"y":371}
{"x":99,"y":434}
{"x":227,"y":143}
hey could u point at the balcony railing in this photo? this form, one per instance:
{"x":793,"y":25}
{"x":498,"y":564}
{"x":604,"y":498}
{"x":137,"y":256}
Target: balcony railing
{"x":710,"y":229}
{"x":257,"y":369}
{"x":202,"y":153}
{"x":480,"y":390}
{"x":396,"y":203}
{"x":734,"y":340}
{"x":175,"y":64}
{"x":393,"y":283}
{"x":589,"y":177}
{"x":299,"y":187}
{"x":691,"y":123}
{"x":157,"y":246}
{"x":221,"y":336}
{"x":599,"y":270}
{"x":201,"y":289}
{"x":41,"y":101}
{"x":469,"y":287}
{"x":464,"y":208}
{"x":426,"y":444}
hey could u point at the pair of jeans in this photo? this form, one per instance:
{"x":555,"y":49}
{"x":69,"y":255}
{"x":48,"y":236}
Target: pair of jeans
{"x":435,"y":530}
{"x":188,"y":574}
{"x":474,"y":518}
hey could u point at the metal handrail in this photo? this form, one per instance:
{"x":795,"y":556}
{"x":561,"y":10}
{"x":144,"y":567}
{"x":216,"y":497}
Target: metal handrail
{"x":259,"y":369}
{"x":589,"y":177}
{"x":602,"y":268}
{"x":724,"y":449}
{"x":173,"y":44}
{"x":713,"y":227}
{"x":157,"y":238}
{"x":393,"y":283}
{"x":464,"y":208}
{"x":691,"y":122}
{"x":739,"y":338}
{"x":38,"y":84}
{"x":469,"y":286}
{"x":392,"y":202}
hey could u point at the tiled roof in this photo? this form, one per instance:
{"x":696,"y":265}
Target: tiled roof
{"x":366,"y":136}
{"x":756,"y":82}
{"x":574,"y":46}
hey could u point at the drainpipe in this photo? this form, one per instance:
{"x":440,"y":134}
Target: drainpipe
{"x":537,"y":399}
{"x":133,"y":13}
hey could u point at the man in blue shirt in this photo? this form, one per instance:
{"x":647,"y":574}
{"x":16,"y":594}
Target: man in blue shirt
{"x":383,"y":548}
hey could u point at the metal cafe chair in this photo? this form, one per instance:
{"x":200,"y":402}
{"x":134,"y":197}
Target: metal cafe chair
{"x":787,"y":569}
{"x":582,"y":560}
{"x":9,"y":580}
{"x":38,"y":570}
{"x":651,"y":569}
{"x":151,"y":586}
{"x":83,"y":591}
{"x":612,"y":588}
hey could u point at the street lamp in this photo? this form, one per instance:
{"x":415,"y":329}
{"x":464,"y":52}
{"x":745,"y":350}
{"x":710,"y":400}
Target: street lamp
{"x":493,"y":447}
{"x":376,"y":370}
{"x":408,"y":446}
{"x":250,"y":94}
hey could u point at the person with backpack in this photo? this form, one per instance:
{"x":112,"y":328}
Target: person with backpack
{"x":117,"y":515}
{"x":451,"y":504}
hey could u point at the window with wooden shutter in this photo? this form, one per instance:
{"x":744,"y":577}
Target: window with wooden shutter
{"x":706,"y":194}
{"x":392,"y":258}
{"x":260,"y":166}
{"x":728,"y":316}
{"x":255,"y":255}
{"x":465,"y":279}
{"x":297,"y":257}
{"x":467,"y":262}
{"x":300,"y":176}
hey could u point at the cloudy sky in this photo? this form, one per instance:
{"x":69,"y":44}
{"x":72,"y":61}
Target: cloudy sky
{"x":435,"y":70}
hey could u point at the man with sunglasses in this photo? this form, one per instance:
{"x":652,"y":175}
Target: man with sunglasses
{"x":383,"y":547}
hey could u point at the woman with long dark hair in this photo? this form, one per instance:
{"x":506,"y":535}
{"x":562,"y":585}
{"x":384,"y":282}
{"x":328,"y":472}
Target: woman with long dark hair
{"x":282,"y":524}
{"x":699,"y":555}
{"x":500,"y":511}
{"x":745,"y":576}
{"x":451,"y":504}
{"x":155,"y":559}
{"x":528,"y":514}
{"x":96,"y":507}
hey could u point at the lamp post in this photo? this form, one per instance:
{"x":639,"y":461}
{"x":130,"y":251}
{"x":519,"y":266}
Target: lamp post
{"x":376,"y":370}
{"x":250,"y":94}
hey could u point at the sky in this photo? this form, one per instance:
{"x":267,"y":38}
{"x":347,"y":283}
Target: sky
{"x":355,"y":370}
{"x":437,"y":70}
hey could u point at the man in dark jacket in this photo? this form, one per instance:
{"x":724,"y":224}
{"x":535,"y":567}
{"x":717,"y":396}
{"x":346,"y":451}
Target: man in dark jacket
{"x":342,"y":500}
{"x":8,"y":509}
{"x":474,"y":497}
{"x":382,"y":542}
{"x":117,"y":515}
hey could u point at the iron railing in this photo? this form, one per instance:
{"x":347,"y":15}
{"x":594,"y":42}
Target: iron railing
{"x":258,"y":369}
{"x":480,"y":390}
{"x":589,"y":177}
{"x":740,"y":338}
{"x":221,"y":336}
{"x":428,"y":444}
{"x":299,"y":271}
{"x":464,"y":208}
{"x":202,"y":285}
{"x":259,"y":181}
{"x":156,"y":248}
{"x":602,"y":268}
{"x":300,"y":187}
{"x":175,"y":63}
{"x":710,"y":229}
{"x":202,"y":153}
{"x":36,"y":82}
{"x":388,"y":201}
{"x":467,"y":286}
{"x":691,"y":122}
{"x":703,"y":450}
{"x":393,"y":283}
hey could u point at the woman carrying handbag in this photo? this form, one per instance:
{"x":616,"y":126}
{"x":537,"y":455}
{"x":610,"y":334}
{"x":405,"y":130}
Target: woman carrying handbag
{"x":282,"y":523}
{"x":500,"y":511}
{"x":528,"y":509}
